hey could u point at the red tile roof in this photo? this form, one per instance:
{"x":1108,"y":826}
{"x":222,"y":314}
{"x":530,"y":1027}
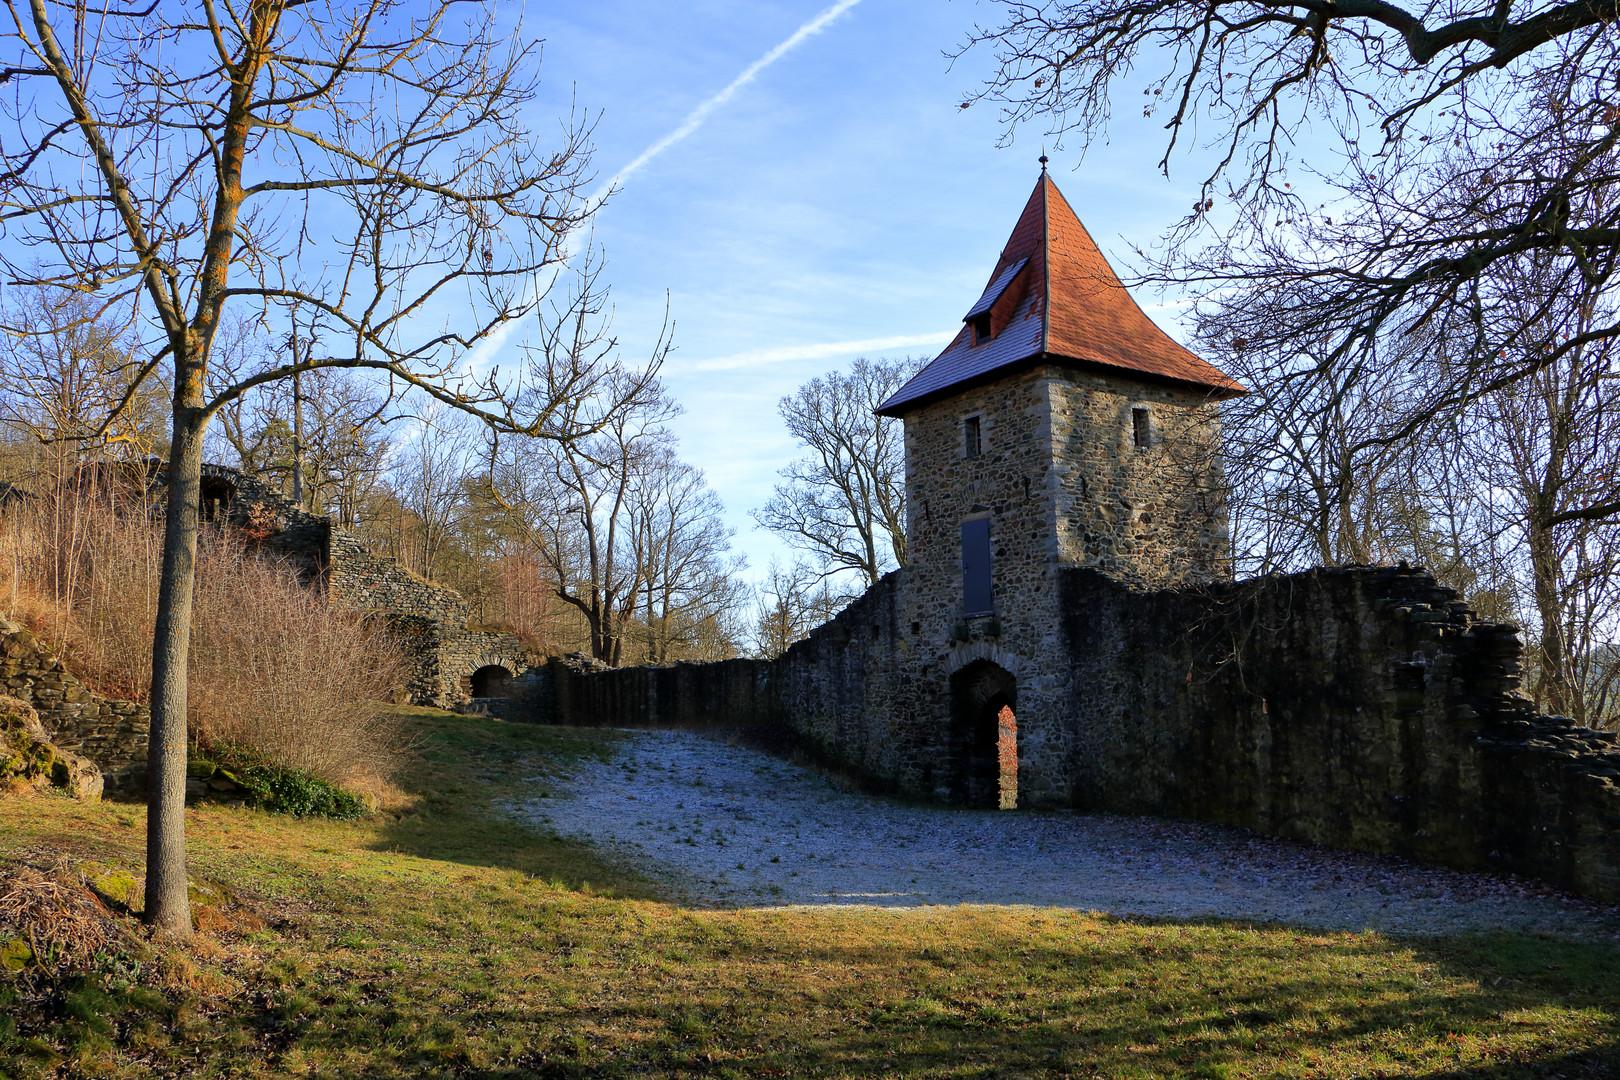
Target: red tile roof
{"x":1067,"y":305}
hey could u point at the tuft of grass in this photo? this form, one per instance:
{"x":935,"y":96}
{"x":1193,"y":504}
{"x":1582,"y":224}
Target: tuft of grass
{"x":449,"y":939}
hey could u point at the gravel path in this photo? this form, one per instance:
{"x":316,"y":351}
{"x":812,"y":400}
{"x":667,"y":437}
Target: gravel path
{"x":733,"y":827}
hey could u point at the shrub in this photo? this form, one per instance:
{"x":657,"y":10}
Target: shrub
{"x":277,"y":668}
{"x":274,"y":666}
{"x":281,"y":790}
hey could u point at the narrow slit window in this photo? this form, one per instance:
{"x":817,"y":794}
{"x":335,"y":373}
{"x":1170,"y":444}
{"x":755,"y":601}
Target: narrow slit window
{"x":976,"y":594}
{"x":1142,"y":428}
{"x":970,"y":437}
{"x":981,"y":328}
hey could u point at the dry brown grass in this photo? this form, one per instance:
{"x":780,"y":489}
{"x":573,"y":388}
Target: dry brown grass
{"x":274,"y":667}
{"x":56,"y":913}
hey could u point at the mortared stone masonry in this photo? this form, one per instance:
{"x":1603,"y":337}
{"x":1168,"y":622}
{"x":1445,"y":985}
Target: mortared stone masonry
{"x":1358,"y":707}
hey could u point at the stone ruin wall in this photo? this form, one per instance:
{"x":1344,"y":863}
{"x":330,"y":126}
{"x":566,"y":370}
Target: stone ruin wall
{"x":428,"y":620}
{"x":1361,"y":708}
{"x":372,"y":583}
{"x":109,"y":732}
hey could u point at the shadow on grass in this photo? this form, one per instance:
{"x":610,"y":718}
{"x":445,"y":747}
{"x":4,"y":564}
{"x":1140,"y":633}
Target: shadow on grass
{"x":464,"y":767}
{"x":1142,"y":1005}
{"x":730,"y":996}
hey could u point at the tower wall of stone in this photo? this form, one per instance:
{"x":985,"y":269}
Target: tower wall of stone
{"x":1011,"y":483}
{"x":1151,"y":515}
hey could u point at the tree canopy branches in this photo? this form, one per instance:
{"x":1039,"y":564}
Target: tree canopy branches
{"x":844,"y":502}
{"x":1378,"y":177}
{"x":367,"y":174}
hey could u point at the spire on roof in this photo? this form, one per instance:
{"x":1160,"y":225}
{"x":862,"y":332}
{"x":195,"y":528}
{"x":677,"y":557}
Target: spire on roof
{"x":1052,"y":296}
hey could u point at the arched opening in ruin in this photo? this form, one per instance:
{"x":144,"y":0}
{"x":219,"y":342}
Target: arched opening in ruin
{"x":492,"y":680}
{"x":216,"y":497}
{"x":984,"y":736}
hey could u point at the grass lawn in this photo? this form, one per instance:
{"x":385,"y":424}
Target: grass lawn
{"x":451,"y":941}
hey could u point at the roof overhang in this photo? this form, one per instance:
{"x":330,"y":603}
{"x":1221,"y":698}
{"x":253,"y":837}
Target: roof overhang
{"x":1019,"y":367}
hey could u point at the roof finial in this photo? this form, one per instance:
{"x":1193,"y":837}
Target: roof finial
{"x":1043,"y":161}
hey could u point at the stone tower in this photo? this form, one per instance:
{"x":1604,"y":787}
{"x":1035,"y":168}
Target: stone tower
{"x":1059,"y":428}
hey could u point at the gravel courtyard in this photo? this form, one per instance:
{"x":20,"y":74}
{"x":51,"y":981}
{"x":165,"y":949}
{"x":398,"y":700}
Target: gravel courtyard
{"x":732,"y":827}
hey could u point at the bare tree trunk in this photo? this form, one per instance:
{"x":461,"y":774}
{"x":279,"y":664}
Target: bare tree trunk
{"x":1552,"y":682}
{"x":168,"y":904}
{"x":298,"y":435}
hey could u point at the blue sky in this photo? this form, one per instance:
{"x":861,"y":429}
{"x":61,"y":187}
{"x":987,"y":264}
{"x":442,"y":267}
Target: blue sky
{"x":840,"y":197}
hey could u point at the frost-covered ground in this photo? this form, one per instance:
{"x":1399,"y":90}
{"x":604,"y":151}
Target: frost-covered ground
{"x":730,"y":826}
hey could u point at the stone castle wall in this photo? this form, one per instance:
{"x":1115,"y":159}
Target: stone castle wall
{"x":1362,"y":708}
{"x":1149,"y":515}
{"x":1061,"y":482}
{"x":110,"y":732}
{"x":1011,"y":484}
{"x":725,"y":694}
{"x":428,"y":620}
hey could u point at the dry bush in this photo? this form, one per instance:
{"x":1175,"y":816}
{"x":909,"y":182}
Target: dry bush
{"x":277,"y":668}
{"x":82,"y":561}
{"x":274,"y":667}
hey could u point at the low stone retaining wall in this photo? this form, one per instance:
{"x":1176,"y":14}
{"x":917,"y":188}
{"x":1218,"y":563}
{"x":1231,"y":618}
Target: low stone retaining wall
{"x":729,"y":693}
{"x":109,"y":732}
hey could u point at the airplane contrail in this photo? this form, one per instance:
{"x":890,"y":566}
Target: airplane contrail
{"x":694,"y":120}
{"x":697,"y":116}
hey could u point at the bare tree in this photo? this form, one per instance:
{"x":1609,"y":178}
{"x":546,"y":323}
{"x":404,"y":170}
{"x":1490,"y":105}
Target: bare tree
{"x":682,"y":547}
{"x":1505,"y":495}
{"x":344,"y":443}
{"x":1376,"y":171}
{"x":789,"y":603}
{"x":1544,"y":448}
{"x":365,"y":174}
{"x":429,"y":480}
{"x":572,"y":501}
{"x":844,"y":503}
{"x":65,"y":368}
{"x":1315,"y":480}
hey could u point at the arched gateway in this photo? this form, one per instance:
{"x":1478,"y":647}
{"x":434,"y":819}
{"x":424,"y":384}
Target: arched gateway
{"x":984,"y":736}
{"x":491,"y":681}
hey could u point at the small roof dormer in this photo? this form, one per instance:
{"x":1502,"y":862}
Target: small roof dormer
{"x":1052,"y":297}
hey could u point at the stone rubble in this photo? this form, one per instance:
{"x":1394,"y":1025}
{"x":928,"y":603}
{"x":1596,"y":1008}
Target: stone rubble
{"x":728,"y":826}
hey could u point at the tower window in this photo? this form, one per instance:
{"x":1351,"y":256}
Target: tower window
{"x":981,"y":328}
{"x":976,"y":592}
{"x":1142,"y":428}
{"x":971,"y":446}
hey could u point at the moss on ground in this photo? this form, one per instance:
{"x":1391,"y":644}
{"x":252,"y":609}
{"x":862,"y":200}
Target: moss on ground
{"x":450,"y":940}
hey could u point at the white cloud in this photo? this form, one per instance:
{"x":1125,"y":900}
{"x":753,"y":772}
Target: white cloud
{"x":817,"y":351}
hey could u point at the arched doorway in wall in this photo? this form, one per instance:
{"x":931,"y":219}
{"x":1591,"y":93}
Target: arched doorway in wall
{"x":984,"y":736}
{"x":492,"y":681}
{"x":214,"y":501}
